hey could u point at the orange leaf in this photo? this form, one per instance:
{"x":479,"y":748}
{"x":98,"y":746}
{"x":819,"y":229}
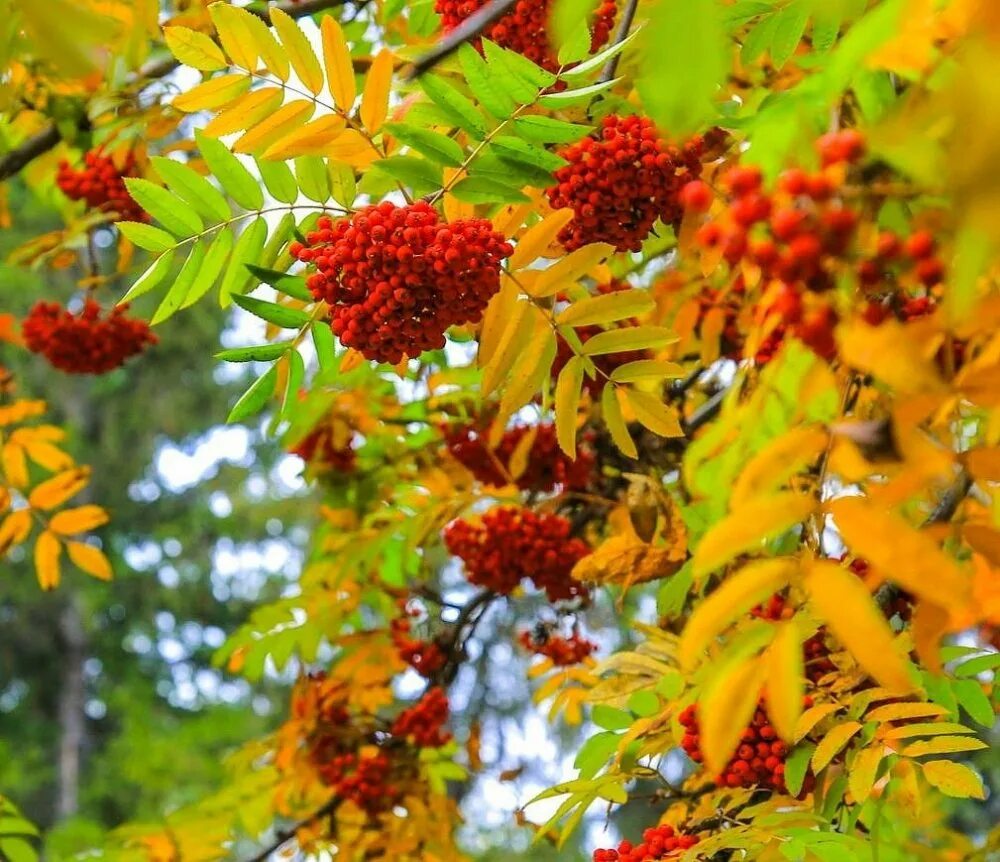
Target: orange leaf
{"x":14,"y":529}
{"x":47,"y":551}
{"x":375,"y":97}
{"x":91,"y":559}
{"x":57,"y":490}
{"x":79,"y":520}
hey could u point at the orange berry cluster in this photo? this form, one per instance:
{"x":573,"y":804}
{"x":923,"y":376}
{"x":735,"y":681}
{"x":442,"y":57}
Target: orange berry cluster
{"x":524,"y":28}
{"x":510,"y":544}
{"x":84,"y":342}
{"x":363,"y":779}
{"x":396,"y":277}
{"x":561,"y":651}
{"x":660,"y":842}
{"x":758,"y":762}
{"x":320,"y":449}
{"x":620,"y":180}
{"x":815,"y":651}
{"x":101,"y":184}
{"x":548,"y":466}
{"x":422,"y":724}
{"x":425,"y":657}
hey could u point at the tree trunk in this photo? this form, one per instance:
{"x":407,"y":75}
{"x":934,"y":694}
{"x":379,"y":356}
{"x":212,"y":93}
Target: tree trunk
{"x":71,"y":709}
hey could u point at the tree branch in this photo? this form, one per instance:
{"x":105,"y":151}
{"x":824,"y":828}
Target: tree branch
{"x":628,"y":16}
{"x":13,"y":162}
{"x":468,"y":29}
{"x":283,"y":836}
{"x":704,"y":414}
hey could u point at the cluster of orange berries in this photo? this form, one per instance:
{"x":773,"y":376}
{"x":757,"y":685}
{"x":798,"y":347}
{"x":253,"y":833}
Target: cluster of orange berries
{"x":660,"y":842}
{"x":425,"y":657}
{"x":758,"y":762}
{"x":362,"y":778}
{"x":324,"y":451}
{"x":524,"y":28}
{"x":560,"y":650}
{"x":84,"y":342}
{"x":547,"y":465}
{"x":101,"y":183}
{"x":423,"y":723}
{"x":816,"y":652}
{"x":620,"y":180}
{"x":511,"y":543}
{"x":396,"y":277}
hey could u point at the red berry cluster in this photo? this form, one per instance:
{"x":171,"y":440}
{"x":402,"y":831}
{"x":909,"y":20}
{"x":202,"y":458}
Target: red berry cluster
{"x":620,"y":180}
{"x":101,"y":184}
{"x":758,"y":762}
{"x":84,"y":343}
{"x":363,"y":779}
{"x":562,"y":651}
{"x":511,"y":544}
{"x":321,"y":449}
{"x":425,"y":657}
{"x":660,"y":842}
{"x":524,"y":28}
{"x":815,"y":651}
{"x":423,"y":723}
{"x":396,"y":277}
{"x":548,"y":466}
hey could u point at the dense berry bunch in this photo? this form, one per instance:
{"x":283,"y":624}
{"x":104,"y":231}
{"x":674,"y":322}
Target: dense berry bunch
{"x":815,"y":651}
{"x":620,"y":180}
{"x":423,"y":723}
{"x":758,"y":762}
{"x":364,"y":779}
{"x":323,"y":450}
{"x":84,"y":343}
{"x":425,"y":657}
{"x":524,"y":28}
{"x":511,"y":544}
{"x":101,"y":184}
{"x":396,"y":277}
{"x":561,"y":651}
{"x":661,"y":842}
{"x":547,"y":466}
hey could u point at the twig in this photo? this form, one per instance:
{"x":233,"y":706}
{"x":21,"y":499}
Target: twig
{"x":468,"y":29}
{"x":14,"y":161}
{"x":628,"y":16}
{"x":704,"y":414}
{"x":283,"y":836}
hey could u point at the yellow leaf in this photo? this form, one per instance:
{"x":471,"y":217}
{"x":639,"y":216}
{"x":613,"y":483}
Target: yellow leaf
{"x":375,"y":96}
{"x":235,"y":35}
{"x":52,"y":458}
{"x":496,"y":319}
{"x":841,"y":599}
{"x":248,"y":110}
{"x":57,"y":490}
{"x":776,"y":463}
{"x":943,"y":745}
{"x":14,"y":529}
{"x":90,"y":559}
{"x":892,"y":353}
{"x":928,"y":728}
{"x":339,"y":68}
{"x":862,"y":772}
{"x":215,"y":93}
{"x":566,"y":271}
{"x":268,"y":48}
{"x":15,"y":467}
{"x":611,"y":412}
{"x":300,"y":52}
{"x":785,"y":680}
{"x":746,"y":529}
{"x":928,"y":626}
{"x":536,"y":239}
{"x":628,"y":338}
{"x":568,"y":388}
{"x":517,"y":329}
{"x":19,"y":411}
{"x":905,"y":712}
{"x":734,"y":598}
{"x":606,"y":308}
{"x":194,"y":49}
{"x":353,"y":148}
{"x":831,"y":744}
{"x":313,"y":139}
{"x":726,"y":709}
{"x":652,"y":412}
{"x":625,"y":560}
{"x":813,"y":716}
{"x":906,"y":556}
{"x":278,"y":125}
{"x":72,"y":521}
{"x":47,"y":551}
{"x":529,"y":372}
{"x":954,"y":779}
{"x":646,"y":369}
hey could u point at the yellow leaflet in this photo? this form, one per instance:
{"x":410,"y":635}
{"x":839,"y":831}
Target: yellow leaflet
{"x":19,"y":411}
{"x":566,"y":271}
{"x":57,"y":490}
{"x":813,"y":716}
{"x":954,"y":779}
{"x":607,"y":308}
{"x":72,"y":521}
{"x":652,"y":412}
{"x":52,"y":458}
{"x":248,"y":110}
{"x":746,"y":529}
{"x":725,"y":710}
{"x":495,"y":320}
{"x":14,"y":529}
{"x":710,"y":331}
{"x":862,"y":772}
{"x":268,"y":48}
{"x":278,"y":125}
{"x":215,"y":93}
{"x":15,"y":467}
{"x":625,"y":560}
{"x":776,"y":463}
{"x":568,"y":390}
{"x":535,"y":241}
{"x":646,"y":369}
{"x":519,"y":457}
{"x":628,"y":338}
{"x":510,"y":217}
{"x":313,"y":139}
{"x":353,"y":148}
{"x":528,"y":374}
{"x":300,"y":52}
{"x":339,"y":68}
{"x":943,"y":745}
{"x":235,"y":34}
{"x":47,"y":551}
{"x":375,"y":96}
{"x":738,"y":593}
{"x":90,"y":559}
{"x":929,"y":728}
{"x":831,"y":744}
{"x":905,"y":555}
{"x":928,"y":625}
{"x":892,"y":353}
{"x":194,"y":49}
{"x":785,"y":681}
{"x":842,"y":601}
{"x":611,"y":412}
{"x":515,"y":335}
{"x":905,"y":711}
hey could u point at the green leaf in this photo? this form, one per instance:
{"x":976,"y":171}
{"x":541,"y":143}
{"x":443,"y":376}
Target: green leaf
{"x":547,"y":130}
{"x":255,"y":398}
{"x":978,"y":665}
{"x":595,"y":752}
{"x":257,"y":353}
{"x":17,"y":850}
{"x":758,"y":39}
{"x":609,"y":718}
{"x":234,"y":178}
{"x":974,"y":701}
{"x":313,"y":178}
{"x":296,"y":374}
{"x":279,"y":315}
{"x":566,"y":20}
{"x":796,"y":766}
{"x":279,"y":180}
{"x":247,"y":250}
{"x":522,"y":67}
{"x":168,"y":209}
{"x":146,"y":236}
{"x":419,"y":174}
{"x":504,"y":76}
{"x":290,"y":285}
{"x":600,"y":59}
{"x":484,"y":190}
{"x":570,"y":98}
{"x":211,"y":268}
{"x":514,"y":149}
{"x":483,"y":85}
{"x":343,"y":186}
{"x":670,"y":685}
{"x":789,"y":27}
{"x":193,"y":188}
{"x":435,"y":146}
{"x":825,"y":27}
{"x":154,"y":274}
{"x":182,"y":284}
{"x":323,"y":341}
{"x":462,"y":111}
{"x":644,"y":703}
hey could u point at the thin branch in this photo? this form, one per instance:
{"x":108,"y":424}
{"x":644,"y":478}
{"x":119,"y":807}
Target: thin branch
{"x":283,"y":836}
{"x":628,"y":16}
{"x":468,"y":29}
{"x":704,"y":414}
{"x":13,"y":162}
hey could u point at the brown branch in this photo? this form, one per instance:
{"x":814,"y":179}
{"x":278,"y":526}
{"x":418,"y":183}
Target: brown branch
{"x":704,"y":414}
{"x":628,"y":16}
{"x":13,"y":162}
{"x":468,"y":29}
{"x":283,"y":836}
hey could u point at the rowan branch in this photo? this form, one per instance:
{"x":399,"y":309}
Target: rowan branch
{"x":704,"y":414}
{"x":13,"y":162}
{"x":283,"y":836}
{"x":628,"y":16}
{"x":468,"y":29}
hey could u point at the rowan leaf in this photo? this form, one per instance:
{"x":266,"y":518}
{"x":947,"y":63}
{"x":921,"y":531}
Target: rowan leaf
{"x":304,"y":60}
{"x":833,"y":743}
{"x":246,"y":111}
{"x":168,"y":209}
{"x":646,"y":369}
{"x":192,"y":188}
{"x":278,"y":125}
{"x":606,"y":308}
{"x":567,"y":398}
{"x":375,"y":96}
{"x":14,"y":529}
{"x":785,"y":680}
{"x":146,"y":236}
{"x":953,"y":779}
{"x":776,"y":463}
{"x":214,"y":94}
{"x":652,"y":412}
{"x":339,"y":68}
{"x":234,"y":178}
{"x":194,"y":49}
{"x":611,"y":413}
{"x":70,"y":522}
{"x":90,"y":559}
{"x":47,"y":551}
{"x":535,"y":241}
{"x":725,"y":710}
{"x":57,"y":490}
{"x":231,"y":24}
{"x":943,"y":745}
{"x":628,"y":339}
{"x":565,"y":271}
{"x":862,"y":772}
